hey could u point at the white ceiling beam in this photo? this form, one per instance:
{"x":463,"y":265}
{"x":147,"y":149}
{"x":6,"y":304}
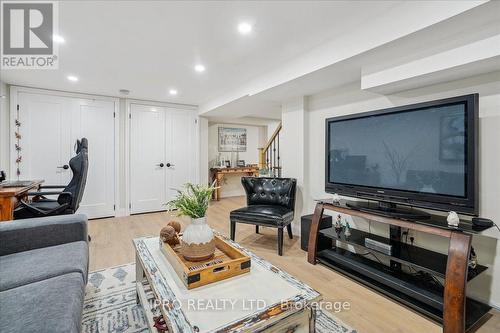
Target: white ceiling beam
{"x":468,"y":60}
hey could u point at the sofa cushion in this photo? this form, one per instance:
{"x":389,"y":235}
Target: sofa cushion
{"x":29,"y":234}
{"x":53,"y":305}
{"x":32,"y":266}
{"x":263,"y":214}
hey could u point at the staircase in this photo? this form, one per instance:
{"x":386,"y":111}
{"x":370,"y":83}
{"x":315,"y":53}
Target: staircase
{"x":269,"y":155}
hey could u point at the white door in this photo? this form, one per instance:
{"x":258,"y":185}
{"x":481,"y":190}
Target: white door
{"x":147,"y":159}
{"x":50,"y":125}
{"x":94,"y":120}
{"x":162,"y":155}
{"x":44,"y":137}
{"x":181,"y":147}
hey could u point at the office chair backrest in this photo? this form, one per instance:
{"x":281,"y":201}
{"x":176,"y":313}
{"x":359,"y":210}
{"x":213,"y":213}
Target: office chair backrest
{"x":78,"y":145}
{"x":79,"y":166}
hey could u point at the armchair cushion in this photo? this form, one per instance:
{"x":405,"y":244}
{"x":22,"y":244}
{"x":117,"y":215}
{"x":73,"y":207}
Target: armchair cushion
{"x":35,"y":233}
{"x":276,"y":216}
{"x":36,"y":265}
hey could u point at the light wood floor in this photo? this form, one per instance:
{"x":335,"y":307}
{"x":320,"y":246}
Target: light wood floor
{"x":370,"y":312}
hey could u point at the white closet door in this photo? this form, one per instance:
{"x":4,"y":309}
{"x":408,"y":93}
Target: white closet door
{"x":181,"y":148}
{"x":45,"y":134}
{"x":147,"y":159}
{"x":50,"y":125}
{"x":94,"y":120}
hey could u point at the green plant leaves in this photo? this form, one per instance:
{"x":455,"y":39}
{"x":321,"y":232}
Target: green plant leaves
{"x":193,"y":200}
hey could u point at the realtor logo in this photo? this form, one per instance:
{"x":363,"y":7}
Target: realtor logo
{"x":27,"y":35}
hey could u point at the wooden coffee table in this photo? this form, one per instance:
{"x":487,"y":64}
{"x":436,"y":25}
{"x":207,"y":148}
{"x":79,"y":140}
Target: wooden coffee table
{"x":265,"y":300}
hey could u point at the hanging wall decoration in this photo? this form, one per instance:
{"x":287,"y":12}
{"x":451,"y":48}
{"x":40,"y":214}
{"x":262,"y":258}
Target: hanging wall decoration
{"x":18,"y":144}
{"x":232,"y":139}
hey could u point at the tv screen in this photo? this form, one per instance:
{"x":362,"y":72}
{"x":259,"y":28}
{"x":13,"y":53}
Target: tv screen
{"x":422,"y":153}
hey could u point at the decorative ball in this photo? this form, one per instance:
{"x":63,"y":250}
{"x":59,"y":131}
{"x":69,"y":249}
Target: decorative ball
{"x":169,"y":236}
{"x":176,"y":225}
{"x":453,"y":219}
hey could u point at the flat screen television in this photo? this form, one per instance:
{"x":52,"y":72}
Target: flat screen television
{"x":422,"y":155}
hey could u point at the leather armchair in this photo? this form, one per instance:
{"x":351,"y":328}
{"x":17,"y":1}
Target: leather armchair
{"x":270,"y":203}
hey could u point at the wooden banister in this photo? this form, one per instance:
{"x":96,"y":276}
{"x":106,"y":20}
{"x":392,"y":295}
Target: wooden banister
{"x":269,"y":155}
{"x":271,"y":139}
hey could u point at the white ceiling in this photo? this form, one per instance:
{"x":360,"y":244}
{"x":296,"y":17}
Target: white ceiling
{"x":480,"y":21}
{"x":150,"y":47}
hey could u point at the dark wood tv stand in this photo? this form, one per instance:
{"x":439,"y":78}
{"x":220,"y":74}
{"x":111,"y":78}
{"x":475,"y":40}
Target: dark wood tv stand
{"x":448,"y":305}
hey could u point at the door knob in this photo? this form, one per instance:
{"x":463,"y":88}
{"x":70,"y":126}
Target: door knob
{"x":169,"y":165}
{"x":161,"y":165}
{"x":65,"y":167}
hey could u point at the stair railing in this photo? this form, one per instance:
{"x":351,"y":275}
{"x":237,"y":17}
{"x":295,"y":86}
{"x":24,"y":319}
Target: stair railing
{"x":269,"y":155}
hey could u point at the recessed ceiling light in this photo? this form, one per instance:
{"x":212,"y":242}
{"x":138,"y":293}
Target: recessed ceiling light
{"x":244,"y":28}
{"x":72,"y":78}
{"x":172,"y":92}
{"x":199,"y":68}
{"x":58,"y":39}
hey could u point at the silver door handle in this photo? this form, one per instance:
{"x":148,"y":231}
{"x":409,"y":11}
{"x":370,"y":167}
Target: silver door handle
{"x":65,"y":167}
{"x":170,"y":165}
{"x":161,"y":165}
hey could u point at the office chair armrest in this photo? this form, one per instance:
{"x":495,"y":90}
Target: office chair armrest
{"x":65,"y":198}
{"x":52,"y":186}
{"x":30,"y":234}
{"x":32,"y":194}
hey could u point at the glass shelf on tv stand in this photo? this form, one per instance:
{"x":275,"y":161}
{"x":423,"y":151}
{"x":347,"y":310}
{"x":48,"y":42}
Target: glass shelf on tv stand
{"x":419,"y":258}
{"x":438,"y":221}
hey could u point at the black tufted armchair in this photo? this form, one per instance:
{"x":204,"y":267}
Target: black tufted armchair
{"x":270,"y":203}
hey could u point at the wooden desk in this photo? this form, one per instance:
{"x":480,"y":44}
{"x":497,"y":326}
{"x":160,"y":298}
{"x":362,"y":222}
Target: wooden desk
{"x":219,"y":173}
{"x":10,"y":197}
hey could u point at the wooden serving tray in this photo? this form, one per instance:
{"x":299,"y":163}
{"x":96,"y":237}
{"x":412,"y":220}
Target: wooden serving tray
{"x":227,"y":262}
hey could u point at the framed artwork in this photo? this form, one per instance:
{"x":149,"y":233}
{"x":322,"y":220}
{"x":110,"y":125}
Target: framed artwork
{"x":232,"y":139}
{"x":452,"y":138}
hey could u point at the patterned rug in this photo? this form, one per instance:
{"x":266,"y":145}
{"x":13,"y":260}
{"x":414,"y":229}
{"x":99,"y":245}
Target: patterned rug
{"x":110,"y":305}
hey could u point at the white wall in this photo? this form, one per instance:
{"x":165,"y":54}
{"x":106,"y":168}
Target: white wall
{"x":256,"y":138}
{"x":350,"y":99}
{"x":203,"y":143}
{"x":293,"y":145}
{"x":4,"y":128}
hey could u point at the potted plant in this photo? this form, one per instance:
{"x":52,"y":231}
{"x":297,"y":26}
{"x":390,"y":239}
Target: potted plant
{"x":197,"y":241}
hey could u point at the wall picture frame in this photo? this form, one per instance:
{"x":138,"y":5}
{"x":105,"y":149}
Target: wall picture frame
{"x":232,"y":139}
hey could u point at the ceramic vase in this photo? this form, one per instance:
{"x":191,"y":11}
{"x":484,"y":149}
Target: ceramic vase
{"x":198,"y":242}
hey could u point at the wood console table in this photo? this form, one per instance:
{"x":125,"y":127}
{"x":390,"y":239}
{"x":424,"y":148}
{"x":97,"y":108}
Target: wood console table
{"x":447,"y":304}
{"x":219,"y":173}
{"x":10,"y":197}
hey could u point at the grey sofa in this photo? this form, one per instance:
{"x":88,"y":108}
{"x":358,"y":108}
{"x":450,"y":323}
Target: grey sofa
{"x":43,"y":273}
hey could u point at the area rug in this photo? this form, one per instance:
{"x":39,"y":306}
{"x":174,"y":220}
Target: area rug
{"x":110,"y":305}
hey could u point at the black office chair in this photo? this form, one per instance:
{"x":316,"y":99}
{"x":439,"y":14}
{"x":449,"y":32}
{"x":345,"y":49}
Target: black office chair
{"x":68,"y":199}
{"x":270,"y":203}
